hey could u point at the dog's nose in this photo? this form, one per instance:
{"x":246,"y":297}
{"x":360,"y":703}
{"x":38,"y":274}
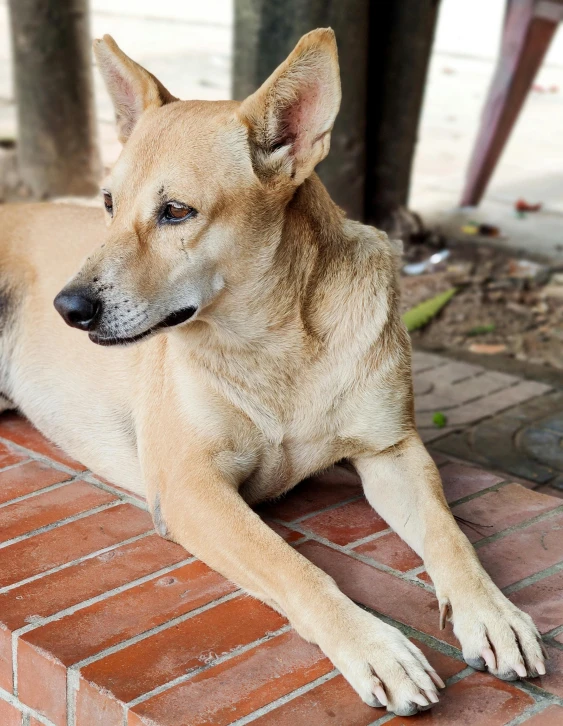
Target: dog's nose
{"x":80,"y":309}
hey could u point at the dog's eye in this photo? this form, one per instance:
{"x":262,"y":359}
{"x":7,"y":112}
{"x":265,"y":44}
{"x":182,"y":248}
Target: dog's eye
{"x":176,"y":212}
{"x":108,"y":203}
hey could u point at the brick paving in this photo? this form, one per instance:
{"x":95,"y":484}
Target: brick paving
{"x":103,"y":623}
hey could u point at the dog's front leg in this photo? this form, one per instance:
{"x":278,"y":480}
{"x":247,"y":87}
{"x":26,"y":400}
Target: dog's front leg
{"x":200,"y":508}
{"x":404,"y":486}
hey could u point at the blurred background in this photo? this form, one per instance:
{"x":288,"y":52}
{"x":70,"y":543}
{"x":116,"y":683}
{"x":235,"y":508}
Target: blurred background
{"x":431,"y":92}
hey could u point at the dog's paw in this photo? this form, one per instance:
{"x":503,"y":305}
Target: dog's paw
{"x":384,"y":667}
{"x":496,"y":636}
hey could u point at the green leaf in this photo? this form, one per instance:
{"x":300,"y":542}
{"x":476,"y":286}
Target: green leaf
{"x":439,"y":419}
{"x":481,"y":329}
{"x":422,"y":314}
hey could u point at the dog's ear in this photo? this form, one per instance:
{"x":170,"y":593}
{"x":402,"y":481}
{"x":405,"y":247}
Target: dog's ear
{"x":132,"y":88}
{"x":291,"y":115}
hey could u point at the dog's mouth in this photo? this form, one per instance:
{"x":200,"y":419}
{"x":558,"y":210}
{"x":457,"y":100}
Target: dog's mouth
{"x":176,"y":318}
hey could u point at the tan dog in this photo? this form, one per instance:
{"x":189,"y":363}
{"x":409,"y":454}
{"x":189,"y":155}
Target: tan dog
{"x":280,"y":351}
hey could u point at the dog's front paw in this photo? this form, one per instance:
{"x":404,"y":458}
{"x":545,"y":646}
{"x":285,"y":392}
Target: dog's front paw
{"x":383,"y":666}
{"x":496,"y":635}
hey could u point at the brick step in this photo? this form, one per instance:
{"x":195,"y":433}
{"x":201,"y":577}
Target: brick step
{"x":103,"y":623}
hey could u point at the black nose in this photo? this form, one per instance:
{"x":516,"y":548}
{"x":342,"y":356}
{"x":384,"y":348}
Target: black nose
{"x":79,"y":308}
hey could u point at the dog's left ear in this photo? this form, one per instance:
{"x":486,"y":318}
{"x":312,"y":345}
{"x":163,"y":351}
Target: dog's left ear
{"x":291,"y":115}
{"x":132,"y":88}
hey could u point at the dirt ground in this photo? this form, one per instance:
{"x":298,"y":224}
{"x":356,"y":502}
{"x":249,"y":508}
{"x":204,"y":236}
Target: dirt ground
{"x":504,"y":304}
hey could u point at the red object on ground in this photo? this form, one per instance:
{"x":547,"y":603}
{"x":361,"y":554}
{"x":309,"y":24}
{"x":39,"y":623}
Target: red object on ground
{"x":523,"y":206}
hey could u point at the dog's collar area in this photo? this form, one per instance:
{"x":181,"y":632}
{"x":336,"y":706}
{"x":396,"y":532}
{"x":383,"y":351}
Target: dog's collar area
{"x":176,"y":318}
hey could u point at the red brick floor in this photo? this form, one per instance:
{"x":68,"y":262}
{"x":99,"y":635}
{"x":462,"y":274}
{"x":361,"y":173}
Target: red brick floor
{"x":103,"y":623}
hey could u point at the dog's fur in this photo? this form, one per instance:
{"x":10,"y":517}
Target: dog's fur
{"x":296,"y":357}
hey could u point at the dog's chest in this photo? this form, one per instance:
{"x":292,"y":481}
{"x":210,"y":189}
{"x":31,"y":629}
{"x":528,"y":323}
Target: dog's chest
{"x":304,"y":435}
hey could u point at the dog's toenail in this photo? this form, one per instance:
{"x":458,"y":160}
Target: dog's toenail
{"x":477,"y":663}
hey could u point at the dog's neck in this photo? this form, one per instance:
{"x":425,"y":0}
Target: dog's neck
{"x":306,"y":290}
{"x":277,"y":285}
{"x":322,"y":288}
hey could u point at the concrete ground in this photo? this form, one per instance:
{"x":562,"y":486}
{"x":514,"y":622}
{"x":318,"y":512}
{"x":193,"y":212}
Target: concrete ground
{"x":462,"y":65}
{"x":188,"y":45}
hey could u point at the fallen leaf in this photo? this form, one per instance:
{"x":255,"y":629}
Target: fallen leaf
{"x":422,"y":314}
{"x":439,"y":419}
{"x":481,"y":329}
{"x":487,"y":348}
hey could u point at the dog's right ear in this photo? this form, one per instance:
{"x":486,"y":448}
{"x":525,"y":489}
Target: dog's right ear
{"x":132,"y":88}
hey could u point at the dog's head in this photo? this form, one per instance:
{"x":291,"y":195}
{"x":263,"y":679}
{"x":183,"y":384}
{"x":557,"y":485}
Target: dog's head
{"x":198,"y":188}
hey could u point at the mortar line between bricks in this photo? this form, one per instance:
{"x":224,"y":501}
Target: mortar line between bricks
{"x":553,"y":632}
{"x":133,"y":640}
{"x":532,"y":710}
{"x":196,"y":671}
{"x":14,"y":701}
{"x":357,"y":556}
{"x":379,"y":566}
{"x":490,"y":468}
{"x":66,"y":565}
{"x":290,"y":523}
{"x":537,"y":692}
{"x":416,"y":571}
{"x":369,"y":538}
{"x":60,"y":522}
{"x":36,"y":456}
{"x":480,"y":418}
{"x":31,"y":495}
{"x":470,"y":376}
{"x":40,"y":622}
{"x":470,"y":400}
{"x":269,"y":707}
{"x":476,"y":495}
{"x":517,"y":527}
{"x":532,"y":579}
{"x":124,"y":495}
{"x":106,"y":595}
{"x":14,"y":466}
{"x":87,"y":475}
{"x":420,"y":371}
{"x":383,"y":719}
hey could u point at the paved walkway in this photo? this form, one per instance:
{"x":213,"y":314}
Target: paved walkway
{"x":103,"y":623}
{"x":505,"y":423}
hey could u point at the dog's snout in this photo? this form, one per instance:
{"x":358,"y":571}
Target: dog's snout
{"x":78,"y":308}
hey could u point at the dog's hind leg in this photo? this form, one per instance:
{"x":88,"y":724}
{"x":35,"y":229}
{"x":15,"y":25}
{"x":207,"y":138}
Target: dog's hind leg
{"x":404,"y":486}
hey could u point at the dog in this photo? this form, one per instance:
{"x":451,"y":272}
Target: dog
{"x":233,"y":334}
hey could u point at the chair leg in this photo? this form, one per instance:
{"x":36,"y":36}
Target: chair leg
{"x":527,"y":34}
